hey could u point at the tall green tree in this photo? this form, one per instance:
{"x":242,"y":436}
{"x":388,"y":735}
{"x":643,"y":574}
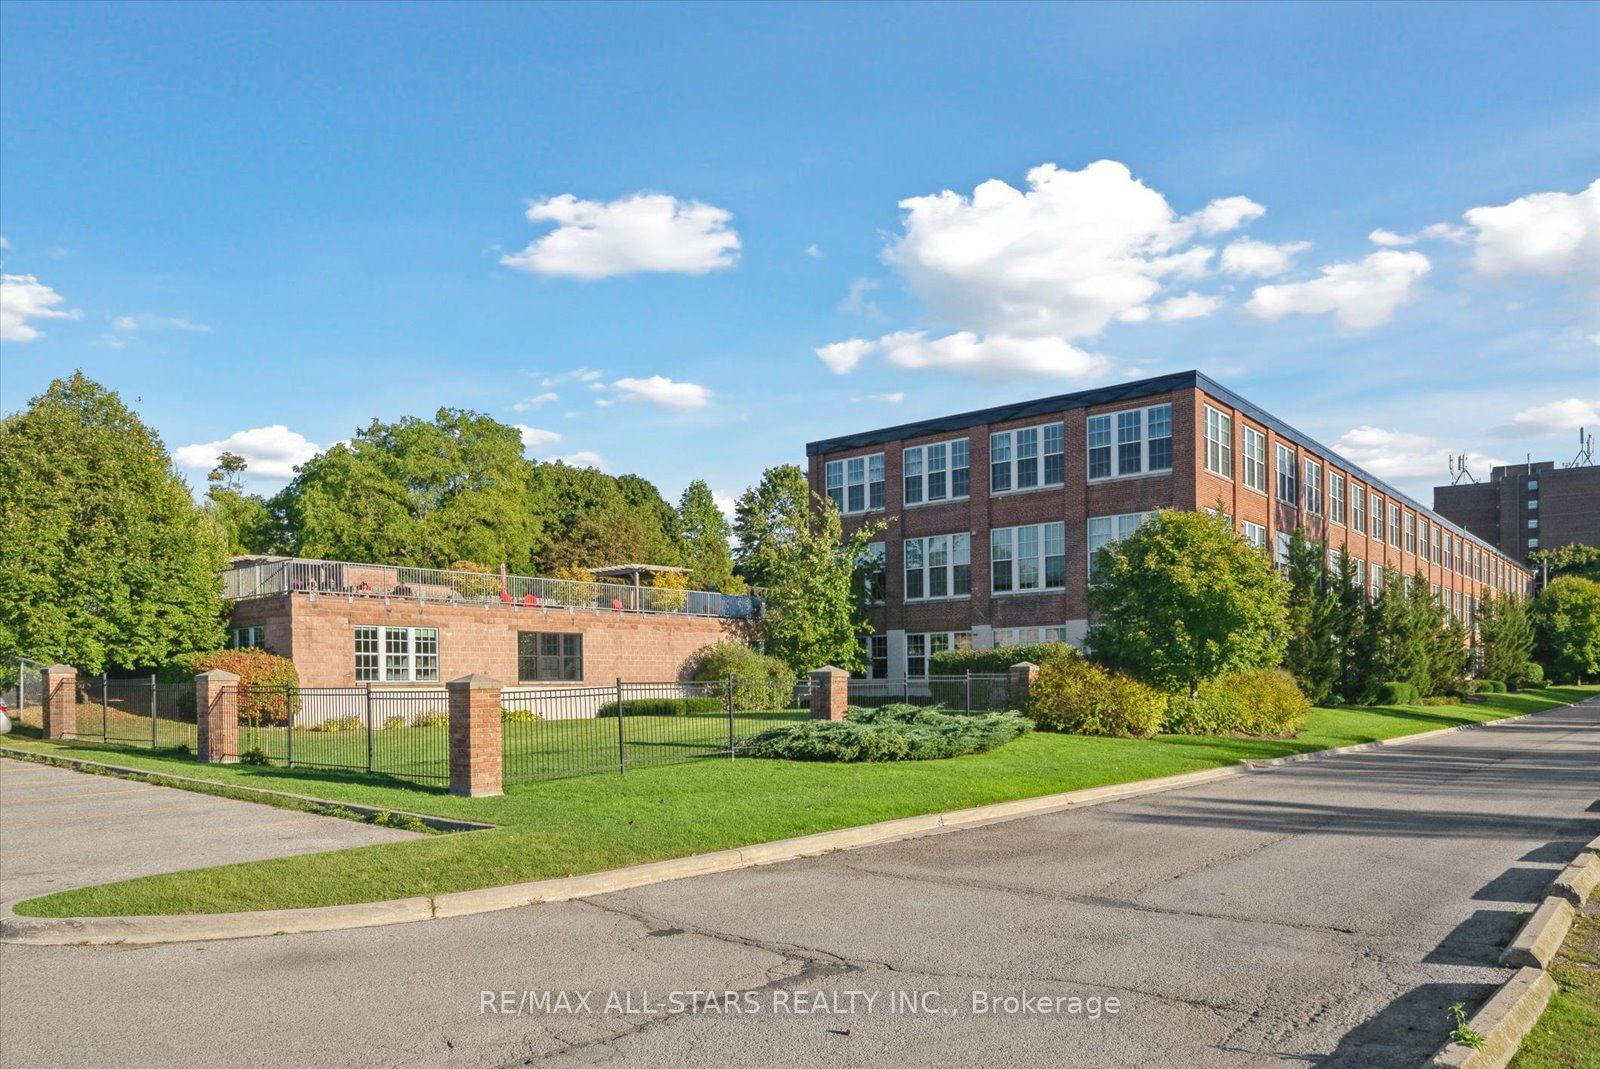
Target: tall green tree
{"x":105,"y":559}
{"x":594,"y":520}
{"x":1505,"y":638}
{"x":1566,"y":625}
{"x":705,"y":541}
{"x":812,"y":613}
{"x":248,"y":522}
{"x":1314,"y":645}
{"x":1404,"y":636}
{"x":1449,"y":645}
{"x":1353,"y":625}
{"x":1574,"y":559}
{"x":1184,"y":599}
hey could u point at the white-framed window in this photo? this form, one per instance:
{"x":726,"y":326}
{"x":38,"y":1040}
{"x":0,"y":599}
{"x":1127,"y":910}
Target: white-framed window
{"x":244,"y":638}
{"x":1027,"y":458}
{"x":1533,"y":525}
{"x":1027,"y":636}
{"x":397,"y":654}
{"x":1336,"y":498}
{"x":938,"y":566}
{"x":1280,"y":549}
{"x":1254,"y":450}
{"x":1455,"y":554}
{"x":1255,"y":534}
{"x":1375,"y":504}
{"x":1411,"y":532}
{"x":1437,"y":548}
{"x":876,"y":650}
{"x":1312,"y":485}
{"x":921,"y":646}
{"x":1375,"y":578}
{"x":1358,"y":507}
{"x":936,"y":472}
{"x":1422,"y":539}
{"x":1288,"y":491}
{"x":1130,"y":442}
{"x":1031,"y":557}
{"x":1219,"y":443}
{"x":1104,"y":530}
{"x":1533,"y":504}
{"x":856,"y":484}
{"x":1394,"y":525}
{"x":1359,"y":572}
{"x":874,"y":565}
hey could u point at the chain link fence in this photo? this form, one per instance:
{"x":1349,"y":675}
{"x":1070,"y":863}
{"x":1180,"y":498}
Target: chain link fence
{"x":22,"y":689}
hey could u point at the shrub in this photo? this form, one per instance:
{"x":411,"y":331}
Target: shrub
{"x":393,"y":723}
{"x":253,"y":756}
{"x":997,"y":661}
{"x":519,"y":716}
{"x":339,"y":723}
{"x":759,"y":681}
{"x":481,"y":583}
{"x":668,"y":592}
{"x":1214,"y":711}
{"x":1394,"y":693}
{"x":1270,"y":702}
{"x":268,"y":684}
{"x":1077,"y":696}
{"x":662,"y":707}
{"x":1532,"y":676}
{"x":1491,"y":686}
{"x":890,"y":733}
{"x":1435,"y":700}
{"x":431,"y":720}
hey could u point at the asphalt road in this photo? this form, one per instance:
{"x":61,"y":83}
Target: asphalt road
{"x":1325,"y":914}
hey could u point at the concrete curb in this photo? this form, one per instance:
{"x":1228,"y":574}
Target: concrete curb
{"x":1578,"y":880}
{"x":144,"y":775}
{"x":1536,"y":945}
{"x":1508,"y":1016}
{"x":1382,"y":744}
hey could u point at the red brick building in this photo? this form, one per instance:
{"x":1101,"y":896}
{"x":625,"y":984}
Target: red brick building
{"x":349,"y":624}
{"x":994,"y":516}
{"x":1526,"y":507}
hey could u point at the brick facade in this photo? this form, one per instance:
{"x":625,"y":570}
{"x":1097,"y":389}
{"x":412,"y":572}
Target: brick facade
{"x":216,"y":704}
{"x":475,"y":738}
{"x":1526,"y":507}
{"x":60,"y":701}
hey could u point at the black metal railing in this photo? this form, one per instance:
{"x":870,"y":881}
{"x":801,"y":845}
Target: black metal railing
{"x":970,"y":692}
{"x":135,"y":712}
{"x":401,"y":733}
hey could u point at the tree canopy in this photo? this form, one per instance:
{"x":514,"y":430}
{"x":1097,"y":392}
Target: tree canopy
{"x":705,"y":533}
{"x":1566,"y":620}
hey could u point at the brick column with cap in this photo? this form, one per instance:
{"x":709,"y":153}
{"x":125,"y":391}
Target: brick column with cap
{"x":830,"y":693}
{"x":60,"y":701}
{"x":1023,"y":677}
{"x":216,"y":709}
{"x":475,"y":756}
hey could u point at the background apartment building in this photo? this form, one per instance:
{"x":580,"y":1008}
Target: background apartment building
{"x":1524,"y":507}
{"x":994,"y":516}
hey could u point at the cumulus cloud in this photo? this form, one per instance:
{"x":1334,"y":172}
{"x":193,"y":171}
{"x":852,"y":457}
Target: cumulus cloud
{"x":843,"y":356}
{"x":535,"y":401}
{"x":583,"y":458}
{"x":1402,"y":455}
{"x":534,"y":437}
{"x":1551,"y":234}
{"x":725,"y":502}
{"x":24,"y":298}
{"x":1388,"y":239}
{"x":1360,"y":294}
{"x":1553,"y":417}
{"x":270,"y":452}
{"x":643,"y":232}
{"x":1260,"y":259}
{"x":577,"y":374}
{"x":856,"y":303}
{"x":998,"y":356}
{"x":814,"y":252}
{"x":1227,"y":213}
{"x":1189,"y":306}
{"x":660,"y":390}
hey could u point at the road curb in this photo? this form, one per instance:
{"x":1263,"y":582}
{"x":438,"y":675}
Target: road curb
{"x":1536,"y":944}
{"x":1508,"y":1016}
{"x":1578,"y":880}
{"x":1383,"y":744}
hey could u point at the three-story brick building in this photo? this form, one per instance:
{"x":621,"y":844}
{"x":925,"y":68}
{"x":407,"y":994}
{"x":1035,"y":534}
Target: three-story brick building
{"x":994,"y":516}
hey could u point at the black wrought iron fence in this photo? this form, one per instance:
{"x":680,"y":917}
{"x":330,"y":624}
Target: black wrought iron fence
{"x":135,"y":712}
{"x":971,"y":692}
{"x":401,"y":733}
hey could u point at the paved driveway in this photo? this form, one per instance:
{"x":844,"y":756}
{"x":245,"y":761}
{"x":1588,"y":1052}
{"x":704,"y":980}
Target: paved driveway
{"x":1322,"y":914}
{"x":61,"y":829}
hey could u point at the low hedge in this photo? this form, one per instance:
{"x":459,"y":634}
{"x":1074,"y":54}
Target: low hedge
{"x":1491,"y":686}
{"x":1532,"y":676}
{"x":1079,"y":697}
{"x":663,"y":706}
{"x":890,"y":733}
{"x":759,"y":681}
{"x":1395,"y":692}
{"x":996,"y":661}
{"x":1271,"y":703}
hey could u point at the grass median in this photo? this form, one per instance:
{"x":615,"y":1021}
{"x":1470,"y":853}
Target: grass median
{"x":1568,"y":1034}
{"x":589,"y":823}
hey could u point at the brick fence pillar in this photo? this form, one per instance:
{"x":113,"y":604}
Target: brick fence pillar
{"x":60,"y":701}
{"x":830,"y":693}
{"x":475,"y":757}
{"x":216,"y":717}
{"x":1023,"y":677}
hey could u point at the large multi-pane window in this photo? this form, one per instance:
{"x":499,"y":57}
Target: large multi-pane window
{"x":876,"y":650}
{"x":243,"y":638}
{"x":1288,"y":491}
{"x":1032,"y":557}
{"x":1394,"y":525}
{"x":549,"y":656}
{"x":1375,"y":578}
{"x":936,"y":472}
{"x":1411,"y":532}
{"x":1376,"y":530}
{"x":1027,"y":458}
{"x":1027,"y":636}
{"x":1358,"y":507}
{"x":1219,"y":443}
{"x":1104,"y":530}
{"x":856,"y":484}
{"x":920,"y":648}
{"x":1255,"y":534}
{"x":938,"y":566}
{"x":1438,"y":549}
{"x":874,"y":567}
{"x":1254,"y":448}
{"x":1312,"y":485}
{"x":1130,"y":442}
{"x":397,"y":654}
{"x":1280,"y":553}
{"x":1335,"y":497}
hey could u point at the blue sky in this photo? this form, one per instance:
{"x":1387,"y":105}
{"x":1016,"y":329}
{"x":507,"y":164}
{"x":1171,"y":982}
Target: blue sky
{"x":288,"y":220}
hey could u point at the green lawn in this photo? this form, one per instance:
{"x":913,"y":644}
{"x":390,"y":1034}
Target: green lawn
{"x":1568,"y":1035}
{"x":587,"y":823}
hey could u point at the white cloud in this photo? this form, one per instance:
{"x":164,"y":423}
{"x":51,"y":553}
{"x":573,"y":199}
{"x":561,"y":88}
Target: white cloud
{"x":534,"y":437}
{"x":1074,"y":252}
{"x":577,"y":374}
{"x":843,"y":356}
{"x":856,"y":302}
{"x":1388,"y":239}
{"x":270,"y":452}
{"x":1402,"y":455}
{"x":1190,"y":306}
{"x":1595,"y":337}
{"x":154,"y":322}
{"x":1260,"y":259}
{"x":725,"y":502}
{"x":4,"y":244}
{"x":643,"y":232}
{"x":1227,"y":213}
{"x":998,"y":355}
{"x":24,"y":297}
{"x":535,"y":401}
{"x":883,"y":398}
{"x":1548,"y":234}
{"x":660,"y":390}
{"x":1554,"y":417}
{"x":603,"y":402}
{"x":1359,"y":295}
{"x":813,"y":252}
{"x":584,"y":458}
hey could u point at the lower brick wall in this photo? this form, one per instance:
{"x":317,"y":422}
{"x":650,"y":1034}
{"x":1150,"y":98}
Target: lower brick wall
{"x":319,"y":634}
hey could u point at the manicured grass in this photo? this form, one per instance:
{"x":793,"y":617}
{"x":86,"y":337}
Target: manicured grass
{"x":1568,"y":1035}
{"x":564,"y":827}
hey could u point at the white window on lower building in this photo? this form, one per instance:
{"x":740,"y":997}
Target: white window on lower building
{"x":1219,"y":443}
{"x":244,"y":638}
{"x":397,"y":655}
{"x":921,"y":647}
{"x":1358,"y":507}
{"x":1104,"y":530}
{"x":1335,"y":497}
{"x":1359,"y":572}
{"x":1288,"y":487}
{"x":938,"y":566}
{"x":1394,"y":525}
{"x":1376,"y":509}
{"x":875,"y":648}
{"x":1027,"y":636}
{"x":1280,"y":556}
{"x":1375,"y":578}
{"x":1311,"y":486}
{"x":1031,"y":557}
{"x":856,"y":484}
{"x":1254,"y":450}
{"x":1255,"y":534}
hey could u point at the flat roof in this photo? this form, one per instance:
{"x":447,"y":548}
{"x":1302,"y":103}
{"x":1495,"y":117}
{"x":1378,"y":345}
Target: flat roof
{"x":1132,"y":391}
